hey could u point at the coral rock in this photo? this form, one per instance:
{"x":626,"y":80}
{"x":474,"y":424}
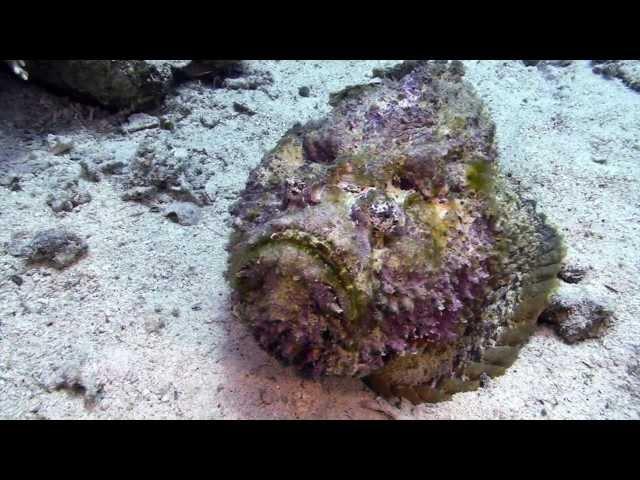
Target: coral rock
{"x":57,"y":246}
{"x":576,"y":316}
{"x":572,"y":273}
{"x":626,"y":70}
{"x":114,"y":84}
{"x":183,"y":213}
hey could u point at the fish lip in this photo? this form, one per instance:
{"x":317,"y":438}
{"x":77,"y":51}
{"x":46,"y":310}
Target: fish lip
{"x":311,"y":243}
{"x":322,"y":250}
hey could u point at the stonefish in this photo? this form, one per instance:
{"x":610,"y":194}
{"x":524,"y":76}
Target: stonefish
{"x":383,"y":243}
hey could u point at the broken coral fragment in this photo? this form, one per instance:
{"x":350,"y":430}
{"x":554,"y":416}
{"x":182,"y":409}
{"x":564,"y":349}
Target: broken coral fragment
{"x":57,"y":246}
{"x":576,"y":315}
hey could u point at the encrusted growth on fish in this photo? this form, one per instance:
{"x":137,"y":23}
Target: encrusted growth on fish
{"x":381,"y":242}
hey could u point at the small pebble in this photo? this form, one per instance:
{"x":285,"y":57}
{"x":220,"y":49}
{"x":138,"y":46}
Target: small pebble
{"x":184,"y":213}
{"x":57,"y":246}
{"x":575,"y":316}
{"x":304,"y":91}
{"x":140,"y":121}
{"x":59,"y":145}
{"x":154,"y":324}
{"x":241,"y":108}
{"x":572,"y":274}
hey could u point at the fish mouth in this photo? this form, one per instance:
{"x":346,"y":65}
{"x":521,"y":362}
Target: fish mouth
{"x":299,"y":301}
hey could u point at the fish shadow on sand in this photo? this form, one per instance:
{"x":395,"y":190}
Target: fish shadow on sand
{"x":256,"y":385}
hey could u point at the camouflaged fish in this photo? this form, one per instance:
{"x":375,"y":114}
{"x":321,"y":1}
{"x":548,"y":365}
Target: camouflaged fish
{"x":382,"y":242}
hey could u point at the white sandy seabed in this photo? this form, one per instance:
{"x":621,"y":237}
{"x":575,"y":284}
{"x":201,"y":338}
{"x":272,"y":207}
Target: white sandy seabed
{"x":141,"y":324}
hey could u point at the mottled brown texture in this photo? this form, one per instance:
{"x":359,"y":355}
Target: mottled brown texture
{"x":381,"y":242}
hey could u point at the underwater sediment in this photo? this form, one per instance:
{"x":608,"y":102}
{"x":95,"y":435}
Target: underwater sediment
{"x":382,"y":242}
